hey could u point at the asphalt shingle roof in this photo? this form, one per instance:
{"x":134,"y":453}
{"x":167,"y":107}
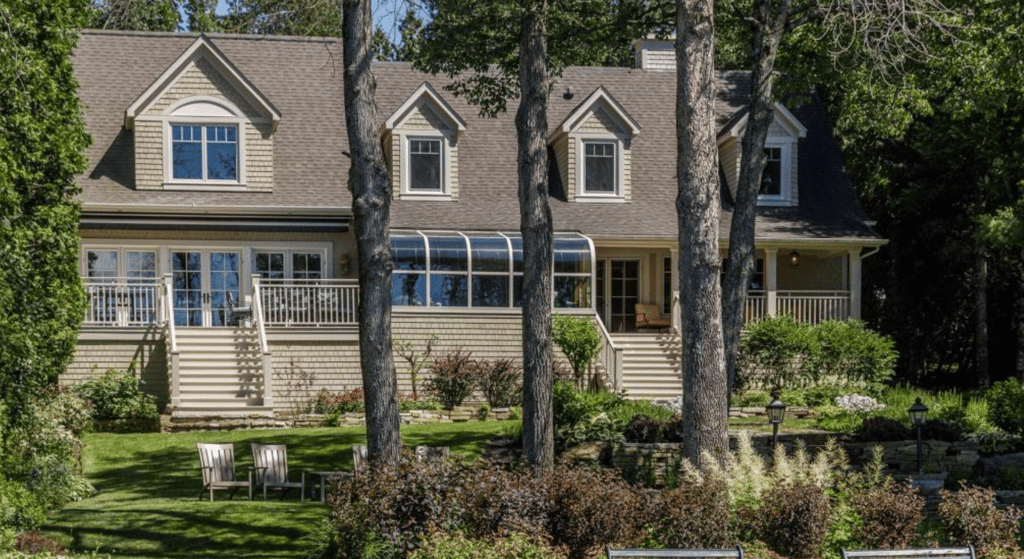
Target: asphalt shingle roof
{"x":303,"y":78}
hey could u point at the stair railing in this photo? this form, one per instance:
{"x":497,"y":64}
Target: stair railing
{"x":174,"y":357}
{"x":261,"y":335}
{"x":611,"y":355}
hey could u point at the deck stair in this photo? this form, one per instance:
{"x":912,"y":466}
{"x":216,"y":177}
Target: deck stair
{"x":221,"y":372}
{"x":651,"y":366}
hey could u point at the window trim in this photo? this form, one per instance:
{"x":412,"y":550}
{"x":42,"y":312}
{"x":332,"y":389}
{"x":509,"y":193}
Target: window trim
{"x":190,"y":111}
{"x":289,"y":252}
{"x":785,"y":196}
{"x":581,"y":140}
{"x":405,"y":139}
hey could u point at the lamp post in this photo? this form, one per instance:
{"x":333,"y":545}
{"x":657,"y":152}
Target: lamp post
{"x":918,"y":412}
{"x":776,"y":414}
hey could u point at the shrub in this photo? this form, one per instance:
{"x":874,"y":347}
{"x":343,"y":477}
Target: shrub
{"x":579,"y":340}
{"x":883,"y":429}
{"x":775,"y":352}
{"x":498,"y":502}
{"x":643,"y":429}
{"x":596,"y":428}
{"x":939,"y":430}
{"x":970,"y":516}
{"x":695,"y":514}
{"x":116,"y":395}
{"x":452,"y":380}
{"x":1006,"y":406}
{"x":571,"y":406}
{"x":457,"y":546}
{"x":34,"y":543}
{"x":20,"y":510}
{"x":850,"y":353}
{"x":589,"y":508}
{"x":890,"y":515}
{"x":833,"y":418}
{"x":500,"y":381}
{"x":330,"y":403}
{"x":795,"y":519}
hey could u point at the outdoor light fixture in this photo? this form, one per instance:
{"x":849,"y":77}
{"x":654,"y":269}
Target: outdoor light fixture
{"x":794,"y":259}
{"x":776,"y":414}
{"x":918,"y":412}
{"x":343,"y":263}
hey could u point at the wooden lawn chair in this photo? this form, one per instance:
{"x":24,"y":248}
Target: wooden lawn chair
{"x":271,"y":465}
{"x":218,"y":464}
{"x":360,"y":457}
{"x":648,"y":316}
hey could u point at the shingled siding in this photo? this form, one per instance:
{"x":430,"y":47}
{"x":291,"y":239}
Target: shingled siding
{"x":202,"y":79}
{"x":601,"y":123}
{"x":423,"y":118}
{"x":302,"y":369}
{"x":93,"y":358}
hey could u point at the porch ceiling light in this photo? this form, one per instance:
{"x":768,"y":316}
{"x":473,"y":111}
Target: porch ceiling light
{"x":794,"y":259}
{"x":918,"y":413}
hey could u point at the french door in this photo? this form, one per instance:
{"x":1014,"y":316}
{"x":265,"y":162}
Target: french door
{"x":202,"y":281}
{"x":618,"y":292}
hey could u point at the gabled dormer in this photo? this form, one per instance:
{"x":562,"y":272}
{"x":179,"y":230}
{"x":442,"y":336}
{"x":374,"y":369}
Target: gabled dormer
{"x":593,"y":149}
{"x":421,"y":147}
{"x":203,"y":126}
{"x":779,"y":186}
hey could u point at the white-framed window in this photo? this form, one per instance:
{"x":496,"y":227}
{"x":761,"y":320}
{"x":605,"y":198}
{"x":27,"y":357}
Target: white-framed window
{"x":279,"y":264}
{"x":600,"y":168}
{"x":426,"y":165}
{"x":775,"y":180}
{"x":204,"y":152}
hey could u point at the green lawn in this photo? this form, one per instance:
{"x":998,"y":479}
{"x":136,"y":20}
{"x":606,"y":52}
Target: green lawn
{"x":147,"y":505}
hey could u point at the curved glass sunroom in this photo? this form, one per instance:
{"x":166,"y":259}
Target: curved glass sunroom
{"x":483,"y":270}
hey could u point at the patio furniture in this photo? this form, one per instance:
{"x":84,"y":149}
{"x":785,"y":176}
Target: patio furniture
{"x":921,"y":553}
{"x":733,"y":553}
{"x":360,"y":457}
{"x":241,"y":313}
{"x":648,"y":316}
{"x":318,"y":482}
{"x":424,"y":453}
{"x":271,"y":465}
{"x":218,"y":464}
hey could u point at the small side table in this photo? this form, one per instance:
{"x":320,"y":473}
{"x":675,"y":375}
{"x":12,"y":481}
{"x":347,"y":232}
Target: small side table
{"x":319,"y":480}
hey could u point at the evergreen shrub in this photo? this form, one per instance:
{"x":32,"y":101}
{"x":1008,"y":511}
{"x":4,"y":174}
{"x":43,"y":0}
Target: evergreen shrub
{"x":116,"y":395}
{"x":1006,"y":406}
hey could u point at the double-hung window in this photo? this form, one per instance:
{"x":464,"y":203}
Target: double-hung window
{"x":600,"y":172}
{"x":771,"y":178}
{"x":426,"y":165}
{"x":204,"y":152}
{"x":278,"y":265}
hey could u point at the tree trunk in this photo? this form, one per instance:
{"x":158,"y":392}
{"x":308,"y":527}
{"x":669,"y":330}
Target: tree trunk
{"x":767,"y":34}
{"x":981,"y":316}
{"x":1018,"y":318}
{"x":535,"y":224}
{"x":705,"y":413}
{"x":370,"y":185}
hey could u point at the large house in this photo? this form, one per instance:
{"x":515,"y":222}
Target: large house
{"x":216,"y":242}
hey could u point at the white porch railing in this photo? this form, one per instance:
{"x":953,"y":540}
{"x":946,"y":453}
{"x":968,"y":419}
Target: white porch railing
{"x":122,"y":301}
{"x":813,"y":307}
{"x":755,"y":307}
{"x":611,"y":355}
{"x":309,"y":303}
{"x":261,"y":338}
{"x":173,"y":354}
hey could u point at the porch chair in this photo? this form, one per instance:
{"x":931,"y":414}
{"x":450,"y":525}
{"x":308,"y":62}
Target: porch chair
{"x":241,"y":313}
{"x":271,"y":464}
{"x":648,"y":316}
{"x":218,"y":464}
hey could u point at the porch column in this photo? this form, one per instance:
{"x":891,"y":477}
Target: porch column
{"x":674,"y":303}
{"x":854,"y":283}
{"x":771,"y":280}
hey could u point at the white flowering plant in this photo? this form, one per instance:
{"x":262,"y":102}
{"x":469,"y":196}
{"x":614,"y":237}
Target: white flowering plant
{"x":855,"y":403}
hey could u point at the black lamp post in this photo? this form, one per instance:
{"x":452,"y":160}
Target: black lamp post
{"x":918,"y":413}
{"x":776,"y":414}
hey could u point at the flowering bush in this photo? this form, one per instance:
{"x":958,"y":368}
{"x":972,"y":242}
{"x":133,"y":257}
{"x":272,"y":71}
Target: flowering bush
{"x":859,"y":404}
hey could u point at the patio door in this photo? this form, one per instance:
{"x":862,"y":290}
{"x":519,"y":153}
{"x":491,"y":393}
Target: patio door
{"x":202,"y":281}
{"x":618,"y":292}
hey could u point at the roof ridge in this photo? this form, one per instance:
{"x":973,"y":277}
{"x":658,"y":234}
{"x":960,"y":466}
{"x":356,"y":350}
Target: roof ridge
{"x":215,"y":36}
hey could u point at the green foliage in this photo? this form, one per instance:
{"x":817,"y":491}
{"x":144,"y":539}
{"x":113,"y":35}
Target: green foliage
{"x":571,"y":407}
{"x":116,"y":395}
{"x":283,"y":17}
{"x":500,"y":381}
{"x":332,"y":403}
{"x":20,"y":509}
{"x":579,"y":340}
{"x":458,"y":546}
{"x":1006,"y":406}
{"x":154,"y":15}
{"x":970,"y":516}
{"x":42,"y":138}
{"x":833,"y":418}
{"x":452,"y":378}
{"x":779,"y":352}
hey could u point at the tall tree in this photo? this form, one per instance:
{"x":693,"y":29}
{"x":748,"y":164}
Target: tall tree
{"x":370,"y":184}
{"x":705,"y":409}
{"x":879,"y":35}
{"x":42,"y":137}
{"x":310,"y":18}
{"x":536,"y":227}
{"x":202,"y":15}
{"x":135,"y":15}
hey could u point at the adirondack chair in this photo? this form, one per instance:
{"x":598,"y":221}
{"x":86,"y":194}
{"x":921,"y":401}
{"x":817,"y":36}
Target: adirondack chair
{"x":218,"y":464}
{"x":271,"y":465}
{"x":734,"y":553}
{"x":360,"y":457}
{"x":930,"y":553}
{"x":432,"y":453}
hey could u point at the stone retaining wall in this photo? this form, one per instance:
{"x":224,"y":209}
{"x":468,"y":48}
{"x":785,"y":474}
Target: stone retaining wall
{"x":414,"y":417}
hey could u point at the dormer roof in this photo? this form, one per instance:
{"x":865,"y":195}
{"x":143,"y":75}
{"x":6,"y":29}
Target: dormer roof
{"x":599,"y":100}
{"x":738,"y":123}
{"x":202,"y":49}
{"x":428,"y":96}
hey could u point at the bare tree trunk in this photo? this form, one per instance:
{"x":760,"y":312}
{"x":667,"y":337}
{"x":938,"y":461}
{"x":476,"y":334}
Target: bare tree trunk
{"x":705,"y":414}
{"x":370,"y":185}
{"x":768,"y":31}
{"x":535,"y":224}
{"x":981,"y":316}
